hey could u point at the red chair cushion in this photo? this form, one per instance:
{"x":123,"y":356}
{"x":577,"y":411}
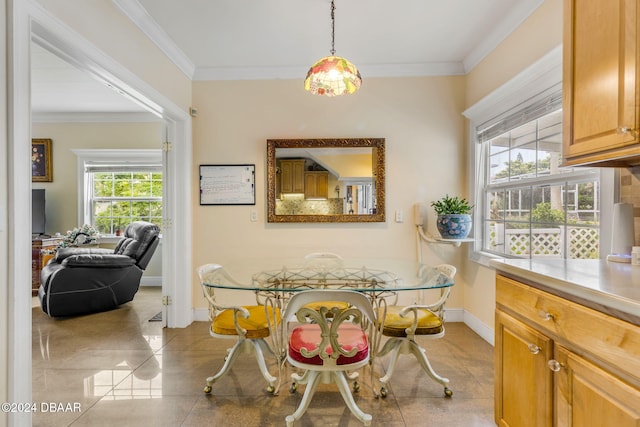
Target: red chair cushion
{"x":308,"y":336}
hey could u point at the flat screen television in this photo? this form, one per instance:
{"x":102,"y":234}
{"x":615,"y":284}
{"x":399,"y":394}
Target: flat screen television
{"x":38,"y":216}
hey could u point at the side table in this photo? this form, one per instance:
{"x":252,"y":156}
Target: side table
{"x":37,"y":261}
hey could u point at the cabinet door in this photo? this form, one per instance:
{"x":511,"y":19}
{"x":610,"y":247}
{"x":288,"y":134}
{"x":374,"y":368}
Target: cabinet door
{"x":286,"y":176}
{"x":523,"y":383}
{"x":316,"y":185}
{"x":599,"y":81}
{"x":587,"y":395}
{"x":292,"y":176}
{"x":322,"y":185}
{"x":298,"y":176}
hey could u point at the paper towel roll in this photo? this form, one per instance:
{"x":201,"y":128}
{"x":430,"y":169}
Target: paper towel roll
{"x":622,"y":234}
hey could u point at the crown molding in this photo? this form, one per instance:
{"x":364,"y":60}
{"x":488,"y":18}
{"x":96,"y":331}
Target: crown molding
{"x":139,"y":16}
{"x":377,"y":70}
{"x":427,"y":69}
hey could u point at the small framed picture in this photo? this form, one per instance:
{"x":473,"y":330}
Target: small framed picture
{"x":41,"y":161}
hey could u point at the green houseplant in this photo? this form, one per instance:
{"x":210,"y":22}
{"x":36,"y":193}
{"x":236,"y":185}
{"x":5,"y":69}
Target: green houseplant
{"x":453,"y":217}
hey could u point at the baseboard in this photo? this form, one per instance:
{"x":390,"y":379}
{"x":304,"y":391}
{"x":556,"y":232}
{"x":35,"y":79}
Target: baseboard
{"x":151,"y":281}
{"x":480,"y":328}
{"x":454,"y":314}
{"x":200,"y":315}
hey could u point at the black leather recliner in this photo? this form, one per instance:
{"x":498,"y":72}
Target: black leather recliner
{"x":81,"y":280}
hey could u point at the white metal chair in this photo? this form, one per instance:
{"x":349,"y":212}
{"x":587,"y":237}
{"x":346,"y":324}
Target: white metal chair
{"x":325,"y":262}
{"x":249,"y":325}
{"x":326,"y":342}
{"x":402,"y":323}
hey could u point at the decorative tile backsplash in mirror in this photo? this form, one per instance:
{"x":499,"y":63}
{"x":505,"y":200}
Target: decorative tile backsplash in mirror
{"x":300,"y":206}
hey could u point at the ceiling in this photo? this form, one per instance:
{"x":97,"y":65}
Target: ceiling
{"x":280,"y":39}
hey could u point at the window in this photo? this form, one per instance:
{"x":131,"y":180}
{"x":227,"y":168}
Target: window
{"x":122,"y":196}
{"x":119,"y":187}
{"x":526,"y":204}
{"x":532,"y":207}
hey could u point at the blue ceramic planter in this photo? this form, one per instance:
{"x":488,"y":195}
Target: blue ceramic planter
{"x":454,"y":226}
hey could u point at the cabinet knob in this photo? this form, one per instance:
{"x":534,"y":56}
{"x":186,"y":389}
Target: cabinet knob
{"x":534,"y":349}
{"x":622,"y":130}
{"x":545,"y":315}
{"x":554,"y":365}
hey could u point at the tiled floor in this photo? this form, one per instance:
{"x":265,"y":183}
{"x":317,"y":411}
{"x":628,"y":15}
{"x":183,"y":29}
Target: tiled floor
{"x":120,"y":369}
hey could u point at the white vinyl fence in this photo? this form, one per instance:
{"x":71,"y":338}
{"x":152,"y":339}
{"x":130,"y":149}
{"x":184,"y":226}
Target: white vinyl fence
{"x":545,"y":242}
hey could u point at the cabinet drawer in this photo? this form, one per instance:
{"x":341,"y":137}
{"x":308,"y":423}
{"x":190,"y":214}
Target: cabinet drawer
{"x":584,"y":330}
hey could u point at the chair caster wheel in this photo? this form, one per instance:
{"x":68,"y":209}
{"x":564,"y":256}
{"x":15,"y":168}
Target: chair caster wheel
{"x":207,"y":389}
{"x":383,"y":392}
{"x":271,"y":389}
{"x":356,"y":387}
{"x":448,"y":392}
{"x":293,"y":388}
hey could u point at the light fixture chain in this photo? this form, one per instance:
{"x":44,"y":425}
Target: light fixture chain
{"x":333,"y":28}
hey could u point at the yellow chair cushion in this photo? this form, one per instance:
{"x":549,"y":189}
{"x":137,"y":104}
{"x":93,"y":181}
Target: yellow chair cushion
{"x":256,"y":324}
{"x":394,"y":325}
{"x":341,"y":305}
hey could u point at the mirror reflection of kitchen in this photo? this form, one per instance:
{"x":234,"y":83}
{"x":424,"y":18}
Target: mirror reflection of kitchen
{"x":325,"y":181}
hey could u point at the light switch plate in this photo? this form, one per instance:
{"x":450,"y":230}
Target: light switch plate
{"x":399,"y":216}
{"x":254,"y":215}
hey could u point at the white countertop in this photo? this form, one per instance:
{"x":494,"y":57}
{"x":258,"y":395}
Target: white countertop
{"x":605,"y":284}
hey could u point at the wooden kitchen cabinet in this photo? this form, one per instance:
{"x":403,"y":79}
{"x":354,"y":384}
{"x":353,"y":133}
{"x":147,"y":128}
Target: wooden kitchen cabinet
{"x":559,"y":363}
{"x":524,"y":350}
{"x":292,"y":176}
{"x":316,"y":185}
{"x":587,"y":395}
{"x":600,"y":83}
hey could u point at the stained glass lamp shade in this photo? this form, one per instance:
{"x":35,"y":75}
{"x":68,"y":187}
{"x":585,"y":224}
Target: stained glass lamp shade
{"x":333,"y":76}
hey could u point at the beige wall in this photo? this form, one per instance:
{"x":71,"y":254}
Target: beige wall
{"x":537,"y":35}
{"x":425,"y":157}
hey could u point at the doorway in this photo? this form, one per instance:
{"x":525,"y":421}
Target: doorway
{"x":27,"y":23}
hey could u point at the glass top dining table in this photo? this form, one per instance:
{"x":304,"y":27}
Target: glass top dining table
{"x":362,"y":275}
{"x":274,"y":281}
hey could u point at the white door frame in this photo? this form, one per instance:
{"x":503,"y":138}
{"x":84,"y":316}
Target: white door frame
{"x":26,"y":19}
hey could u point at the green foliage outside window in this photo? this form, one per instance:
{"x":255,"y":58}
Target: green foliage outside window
{"x":544,"y":213}
{"x":519,"y":167}
{"x":120,"y":198}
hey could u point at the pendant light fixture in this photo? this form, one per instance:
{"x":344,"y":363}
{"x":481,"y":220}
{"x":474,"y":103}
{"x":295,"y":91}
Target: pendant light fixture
{"x":333,"y":75}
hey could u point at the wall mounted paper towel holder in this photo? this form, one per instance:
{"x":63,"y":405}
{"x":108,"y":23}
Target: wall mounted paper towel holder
{"x":623,"y":235}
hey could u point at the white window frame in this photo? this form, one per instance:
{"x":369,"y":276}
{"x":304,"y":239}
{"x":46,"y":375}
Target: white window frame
{"x":534,"y":80}
{"x":85,"y":156}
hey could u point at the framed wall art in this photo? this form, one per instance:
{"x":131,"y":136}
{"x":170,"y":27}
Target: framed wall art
{"x":41,"y":160}
{"x":227,"y":184}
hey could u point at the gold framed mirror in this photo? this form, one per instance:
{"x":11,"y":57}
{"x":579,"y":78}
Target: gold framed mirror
{"x":325,"y":180}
